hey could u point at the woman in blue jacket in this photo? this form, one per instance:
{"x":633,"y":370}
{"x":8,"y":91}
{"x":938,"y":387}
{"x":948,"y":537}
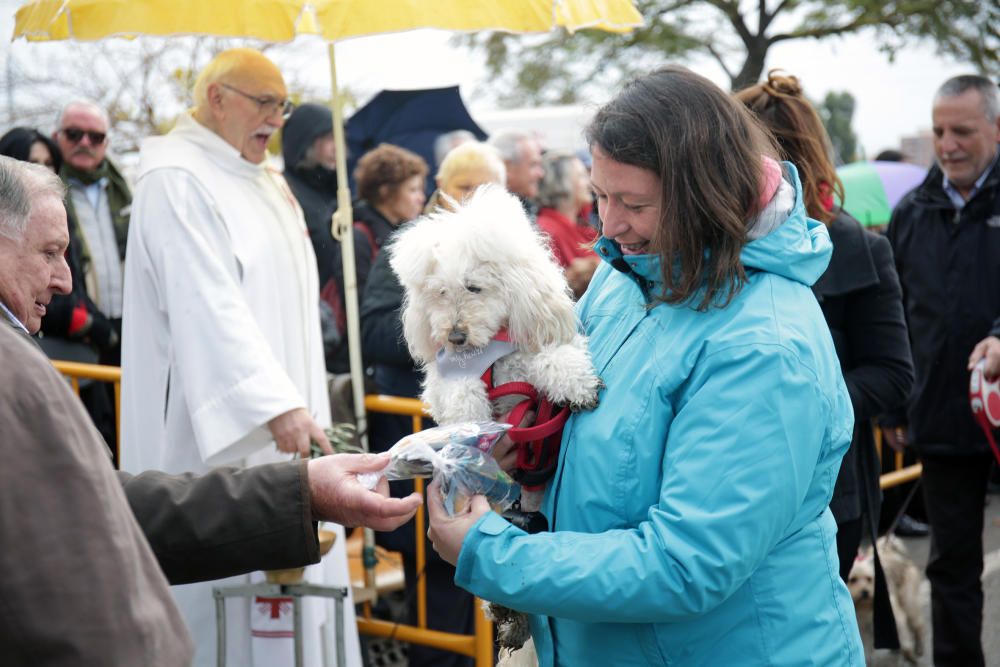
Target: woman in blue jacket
{"x":689,"y":511}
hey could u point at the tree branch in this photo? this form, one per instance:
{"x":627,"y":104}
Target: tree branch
{"x":768,"y":17}
{"x":732,"y":11}
{"x":862,"y":21}
{"x":718,"y":58}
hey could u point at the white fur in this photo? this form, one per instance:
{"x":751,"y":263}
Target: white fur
{"x":903,"y":581}
{"x":473,"y":272}
{"x":466,"y":275}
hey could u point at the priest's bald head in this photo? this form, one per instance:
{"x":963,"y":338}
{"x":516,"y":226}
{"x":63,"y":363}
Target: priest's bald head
{"x":33,"y":242}
{"x":241,"y":96}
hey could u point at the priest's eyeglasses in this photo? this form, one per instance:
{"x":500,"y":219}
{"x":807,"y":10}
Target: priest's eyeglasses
{"x":267,"y":104}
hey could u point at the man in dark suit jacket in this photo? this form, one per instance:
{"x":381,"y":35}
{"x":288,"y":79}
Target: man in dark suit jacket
{"x":85,"y":548}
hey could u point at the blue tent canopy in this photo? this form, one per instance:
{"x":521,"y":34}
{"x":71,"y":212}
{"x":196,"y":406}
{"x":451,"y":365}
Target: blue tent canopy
{"x":412,"y":119}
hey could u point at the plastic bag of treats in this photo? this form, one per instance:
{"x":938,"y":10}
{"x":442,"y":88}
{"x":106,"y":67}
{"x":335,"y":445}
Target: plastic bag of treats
{"x":460,"y":456}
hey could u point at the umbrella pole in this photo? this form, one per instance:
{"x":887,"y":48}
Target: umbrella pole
{"x":343,"y":229}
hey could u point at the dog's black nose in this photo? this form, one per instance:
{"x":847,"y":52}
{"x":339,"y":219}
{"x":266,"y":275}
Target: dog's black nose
{"x":456,"y":337}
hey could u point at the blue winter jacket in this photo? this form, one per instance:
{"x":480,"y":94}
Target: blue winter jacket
{"x":690,"y":509}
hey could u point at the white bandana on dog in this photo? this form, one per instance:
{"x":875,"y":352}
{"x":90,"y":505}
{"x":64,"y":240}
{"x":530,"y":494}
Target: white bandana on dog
{"x":472,"y":362}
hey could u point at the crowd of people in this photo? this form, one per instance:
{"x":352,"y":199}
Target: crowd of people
{"x":748,"y":332}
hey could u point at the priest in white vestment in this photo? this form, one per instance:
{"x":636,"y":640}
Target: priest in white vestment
{"x":222,"y":358}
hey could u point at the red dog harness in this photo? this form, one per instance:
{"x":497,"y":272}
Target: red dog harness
{"x":984,"y":396}
{"x":538,"y":445}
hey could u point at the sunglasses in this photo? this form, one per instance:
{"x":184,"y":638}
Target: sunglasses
{"x":267,"y":105}
{"x":75,"y":135}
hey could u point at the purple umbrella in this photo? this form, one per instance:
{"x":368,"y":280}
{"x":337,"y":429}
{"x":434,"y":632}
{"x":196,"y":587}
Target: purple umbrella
{"x":872,"y":189}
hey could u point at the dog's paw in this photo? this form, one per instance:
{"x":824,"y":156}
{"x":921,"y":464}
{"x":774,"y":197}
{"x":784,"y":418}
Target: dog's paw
{"x":586,"y":398}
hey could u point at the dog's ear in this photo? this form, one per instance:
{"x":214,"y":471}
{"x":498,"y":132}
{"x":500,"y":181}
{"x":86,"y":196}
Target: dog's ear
{"x":412,"y":257}
{"x":411,"y":253}
{"x":541,"y":310}
{"x":417,"y":330}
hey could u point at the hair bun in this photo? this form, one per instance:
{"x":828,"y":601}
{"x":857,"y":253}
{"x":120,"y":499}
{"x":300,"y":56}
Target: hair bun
{"x":782,"y":84}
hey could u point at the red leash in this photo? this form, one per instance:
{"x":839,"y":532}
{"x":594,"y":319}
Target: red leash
{"x":538,"y":445}
{"x":984,"y":397}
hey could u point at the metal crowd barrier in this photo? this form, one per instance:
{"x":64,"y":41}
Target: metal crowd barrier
{"x":478,"y":646}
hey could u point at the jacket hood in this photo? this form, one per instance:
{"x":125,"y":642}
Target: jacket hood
{"x":793,"y":245}
{"x":783,"y":240}
{"x":307,"y":122}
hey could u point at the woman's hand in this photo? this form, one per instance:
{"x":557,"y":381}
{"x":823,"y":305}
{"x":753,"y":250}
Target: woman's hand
{"x":505,"y":451}
{"x":447,"y":533}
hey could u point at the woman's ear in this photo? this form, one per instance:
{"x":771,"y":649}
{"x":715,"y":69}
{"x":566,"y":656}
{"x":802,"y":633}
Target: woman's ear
{"x":383,"y":194}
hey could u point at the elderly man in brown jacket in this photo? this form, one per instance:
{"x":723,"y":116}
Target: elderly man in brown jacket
{"x":87,"y":552}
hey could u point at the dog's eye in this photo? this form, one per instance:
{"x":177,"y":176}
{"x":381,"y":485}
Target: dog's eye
{"x":474,"y":289}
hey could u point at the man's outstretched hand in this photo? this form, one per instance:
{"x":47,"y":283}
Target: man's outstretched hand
{"x":338,"y":496}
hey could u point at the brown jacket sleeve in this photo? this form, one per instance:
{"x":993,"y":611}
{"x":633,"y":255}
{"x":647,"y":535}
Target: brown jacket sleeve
{"x":226,"y":522}
{"x":78,"y":583}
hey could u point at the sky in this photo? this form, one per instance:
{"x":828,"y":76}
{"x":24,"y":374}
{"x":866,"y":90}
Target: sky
{"x":893,"y":99}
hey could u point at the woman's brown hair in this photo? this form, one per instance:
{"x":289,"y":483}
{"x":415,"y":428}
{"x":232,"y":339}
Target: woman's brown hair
{"x":707,"y":151}
{"x":785,"y":111}
{"x":382,"y":170}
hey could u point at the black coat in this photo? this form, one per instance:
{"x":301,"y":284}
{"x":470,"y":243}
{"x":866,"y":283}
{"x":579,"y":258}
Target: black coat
{"x":226,"y":522}
{"x":382,"y":342}
{"x":860,"y":297}
{"x":949,"y":266}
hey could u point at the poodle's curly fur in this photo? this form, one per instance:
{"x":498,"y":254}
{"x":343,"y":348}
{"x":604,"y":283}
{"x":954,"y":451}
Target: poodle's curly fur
{"x":467,"y":275}
{"x":470,"y":273}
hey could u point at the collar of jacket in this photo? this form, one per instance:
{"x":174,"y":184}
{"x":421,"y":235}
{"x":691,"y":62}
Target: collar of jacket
{"x":851,"y":266}
{"x":931,"y":192}
{"x":119,"y":203}
{"x":369,"y":215}
{"x":644,"y":270}
{"x":319,"y":178}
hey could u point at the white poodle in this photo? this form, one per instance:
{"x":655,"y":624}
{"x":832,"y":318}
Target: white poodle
{"x":482,"y":291}
{"x":479,"y":274}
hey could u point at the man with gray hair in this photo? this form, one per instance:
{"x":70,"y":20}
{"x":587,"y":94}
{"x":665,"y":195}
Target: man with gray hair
{"x":33,"y":242}
{"x":100,"y":201}
{"x":88,"y":552}
{"x":946,"y":239}
{"x":522,"y":156}
{"x":98,"y":207}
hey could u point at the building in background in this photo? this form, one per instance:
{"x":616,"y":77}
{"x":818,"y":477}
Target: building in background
{"x":918,"y":148}
{"x":558,"y":128}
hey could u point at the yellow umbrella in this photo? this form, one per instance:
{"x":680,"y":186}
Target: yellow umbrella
{"x":331,"y":20}
{"x":284,"y":20}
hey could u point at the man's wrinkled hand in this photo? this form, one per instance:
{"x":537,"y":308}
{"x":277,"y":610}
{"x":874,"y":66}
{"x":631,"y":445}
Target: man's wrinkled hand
{"x":338,"y":496}
{"x":294,"y":431}
{"x":447,"y":533}
{"x":988,"y":349}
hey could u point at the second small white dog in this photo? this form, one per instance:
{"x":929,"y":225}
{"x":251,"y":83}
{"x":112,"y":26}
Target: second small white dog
{"x":482,"y":290}
{"x":903,"y":581}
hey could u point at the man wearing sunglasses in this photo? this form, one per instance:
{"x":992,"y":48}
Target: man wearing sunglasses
{"x":98,"y":206}
{"x":99,"y":200}
{"x":222,"y":357}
